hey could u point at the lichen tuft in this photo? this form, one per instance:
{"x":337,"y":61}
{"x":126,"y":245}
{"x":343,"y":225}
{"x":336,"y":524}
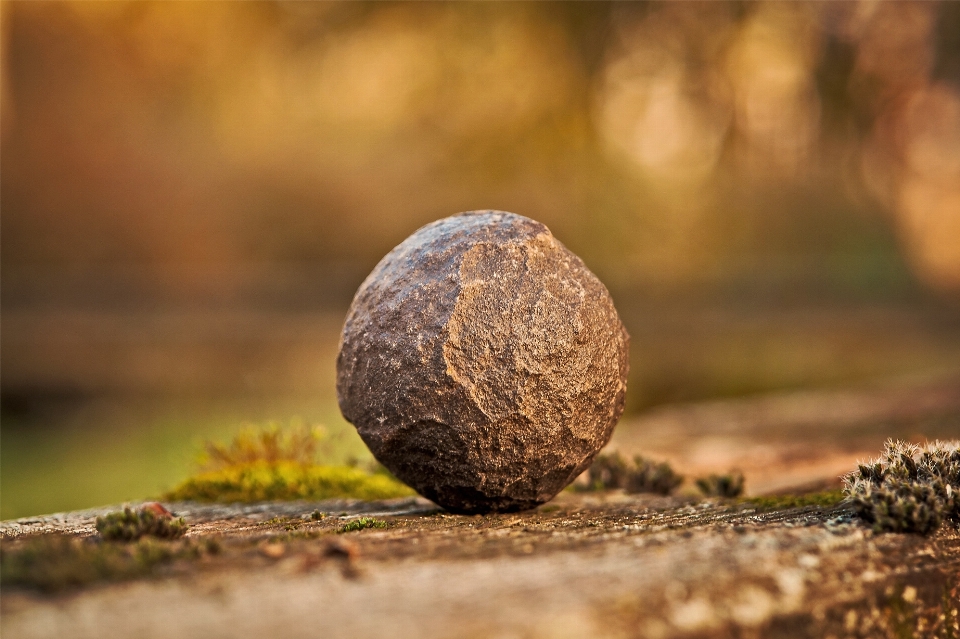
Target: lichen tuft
{"x":909,"y":488}
{"x":611,"y":471}
{"x":729,"y":485}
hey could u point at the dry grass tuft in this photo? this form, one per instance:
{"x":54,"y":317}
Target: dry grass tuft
{"x":298,"y":443}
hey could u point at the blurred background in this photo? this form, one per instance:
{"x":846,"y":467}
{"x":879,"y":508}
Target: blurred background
{"x":192,"y":192}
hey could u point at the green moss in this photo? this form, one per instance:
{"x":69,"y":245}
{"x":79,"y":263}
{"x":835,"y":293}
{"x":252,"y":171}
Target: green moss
{"x":824,"y":499}
{"x":130,"y":525}
{"x":274,"y":521}
{"x":52,"y":563}
{"x":262,"y":481}
{"x":361,"y":524}
{"x":271,"y":463}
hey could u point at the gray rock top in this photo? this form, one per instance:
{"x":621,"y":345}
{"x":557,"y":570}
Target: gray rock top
{"x":483,"y":363}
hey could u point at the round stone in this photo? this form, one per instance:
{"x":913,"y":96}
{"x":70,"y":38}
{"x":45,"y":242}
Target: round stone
{"x":483,"y":363}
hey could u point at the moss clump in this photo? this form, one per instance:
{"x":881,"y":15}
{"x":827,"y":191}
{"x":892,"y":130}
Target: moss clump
{"x":130,"y":525}
{"x":275,"y":464}
{"x":51,"y":563}
{"x":908,"y":488}
{"x":262,"y":481}
{"x":823,"y":499}
{"x":361,"y":524}
{"x":729,"y":485}
{"x":612,"y":471}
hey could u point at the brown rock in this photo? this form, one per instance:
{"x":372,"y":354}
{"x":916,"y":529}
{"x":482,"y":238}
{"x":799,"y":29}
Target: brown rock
{"x":483,"y":363}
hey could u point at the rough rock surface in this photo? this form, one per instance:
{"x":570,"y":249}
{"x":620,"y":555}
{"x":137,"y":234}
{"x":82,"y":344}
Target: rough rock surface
{"x":483,"y":363}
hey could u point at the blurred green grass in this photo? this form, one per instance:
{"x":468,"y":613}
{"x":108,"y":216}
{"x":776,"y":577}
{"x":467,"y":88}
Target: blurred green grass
{"x":110,"y":453}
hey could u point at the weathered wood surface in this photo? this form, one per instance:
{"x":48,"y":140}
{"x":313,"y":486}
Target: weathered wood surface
{"x":584,"y":565}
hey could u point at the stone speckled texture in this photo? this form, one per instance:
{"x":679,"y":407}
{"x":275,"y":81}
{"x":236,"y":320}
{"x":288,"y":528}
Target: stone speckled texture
{"x":483,"y":363}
